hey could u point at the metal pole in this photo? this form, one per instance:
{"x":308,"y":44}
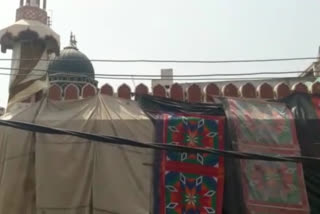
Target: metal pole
{"x":21,"y":3}
{"x":44,"y":4}
{"x":34,"y":3}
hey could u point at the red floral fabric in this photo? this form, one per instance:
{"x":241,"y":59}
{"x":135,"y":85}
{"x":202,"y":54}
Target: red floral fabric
{"x":267,"y":128}
{"x":191,"y":183}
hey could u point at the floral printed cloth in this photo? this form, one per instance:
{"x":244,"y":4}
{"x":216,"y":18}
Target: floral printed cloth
{"x":267,"y":128}
{"x":191,"y":183}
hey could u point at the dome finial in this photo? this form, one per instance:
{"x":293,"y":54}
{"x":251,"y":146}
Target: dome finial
{"x":73,"y":41}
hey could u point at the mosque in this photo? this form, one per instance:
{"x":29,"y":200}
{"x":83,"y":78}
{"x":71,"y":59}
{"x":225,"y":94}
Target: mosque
{"x":52,"y":172}
{"x":39,"y":67}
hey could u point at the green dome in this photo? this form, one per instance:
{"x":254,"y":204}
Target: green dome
{"x":71,"y":62}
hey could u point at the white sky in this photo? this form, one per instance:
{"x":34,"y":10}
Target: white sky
{"x":181,"y":30}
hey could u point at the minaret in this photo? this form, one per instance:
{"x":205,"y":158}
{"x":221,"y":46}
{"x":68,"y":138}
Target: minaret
{"x":31,"y":10}
{"x":31,"y":41}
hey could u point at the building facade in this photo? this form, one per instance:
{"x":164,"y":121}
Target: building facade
{"x":69,"y":74}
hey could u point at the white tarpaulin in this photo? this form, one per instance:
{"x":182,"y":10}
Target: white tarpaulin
{"x":53,"y":174}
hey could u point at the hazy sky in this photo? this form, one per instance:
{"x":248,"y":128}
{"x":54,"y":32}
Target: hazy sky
{"x":182,"y":29}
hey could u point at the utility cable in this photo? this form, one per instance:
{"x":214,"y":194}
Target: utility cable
{"x":174,"y":61}
{"x":165,"y":147}
{"x":148,"y":77}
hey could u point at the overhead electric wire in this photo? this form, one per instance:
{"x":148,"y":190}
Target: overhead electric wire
{"x":148,"y":79}
{"x":184,"y":79}
{"x":148,"y":76}
{"x":175,"y":61}
{"x":158,"y":146}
